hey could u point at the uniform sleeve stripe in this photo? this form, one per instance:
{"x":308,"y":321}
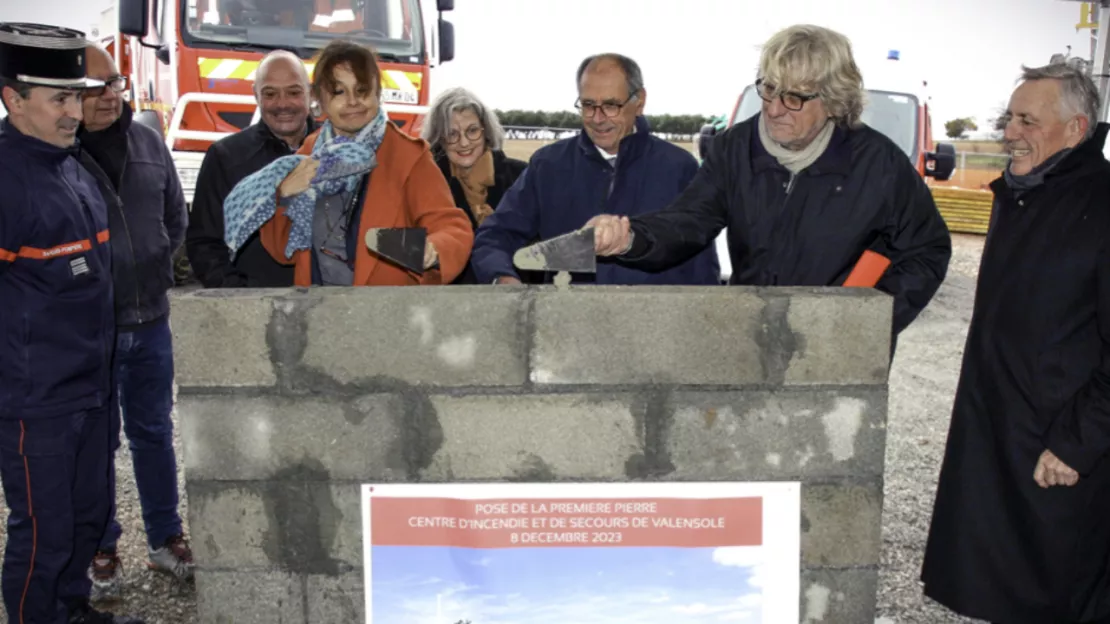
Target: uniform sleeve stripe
{"x":68,"y":249}
{"x":7,"y":256}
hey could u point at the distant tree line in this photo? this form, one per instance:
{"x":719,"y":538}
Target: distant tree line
{"x":572,"y":120}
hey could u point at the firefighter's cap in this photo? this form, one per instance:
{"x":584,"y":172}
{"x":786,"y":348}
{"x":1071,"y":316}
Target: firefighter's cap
{"x":44,"y":55}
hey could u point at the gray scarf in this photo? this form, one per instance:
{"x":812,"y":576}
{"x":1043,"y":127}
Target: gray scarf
{"x":796,"y":160}
{"x":1020,"y":184}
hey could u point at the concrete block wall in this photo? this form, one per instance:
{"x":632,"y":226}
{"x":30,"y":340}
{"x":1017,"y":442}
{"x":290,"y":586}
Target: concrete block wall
{"x":289,"y":400}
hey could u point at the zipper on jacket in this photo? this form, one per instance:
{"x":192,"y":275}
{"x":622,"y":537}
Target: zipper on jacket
{"x":130,"y":241}
{"x":787,"y":186}
{"x":90,"y":221}
{"x":109,"y":339}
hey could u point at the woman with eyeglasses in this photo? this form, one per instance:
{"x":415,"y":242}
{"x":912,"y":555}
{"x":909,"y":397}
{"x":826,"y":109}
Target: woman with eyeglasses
{"x":466,"y":139}
{"x":358,"y":172}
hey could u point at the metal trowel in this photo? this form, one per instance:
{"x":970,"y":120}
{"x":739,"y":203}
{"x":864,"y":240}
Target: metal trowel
{"x":402,"y":246}
{"x":570,"y":253}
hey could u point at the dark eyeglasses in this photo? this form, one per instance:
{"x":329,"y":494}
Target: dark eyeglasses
{"x":791,"y":100}
{"x":473,"y":133}
{"x":609,"y":109}
{"x":117,"y":84}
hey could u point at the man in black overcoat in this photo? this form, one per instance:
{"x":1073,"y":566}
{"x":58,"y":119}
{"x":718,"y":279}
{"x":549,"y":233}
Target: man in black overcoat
{"x":1020,"y":531}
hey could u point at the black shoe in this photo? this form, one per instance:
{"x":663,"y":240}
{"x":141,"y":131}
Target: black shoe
{"x":88,"y":615}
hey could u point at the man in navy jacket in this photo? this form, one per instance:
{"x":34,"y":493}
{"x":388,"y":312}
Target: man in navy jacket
{"x":56,"y":330}
{"x":146,"y":213}
{"x":615,"y":166}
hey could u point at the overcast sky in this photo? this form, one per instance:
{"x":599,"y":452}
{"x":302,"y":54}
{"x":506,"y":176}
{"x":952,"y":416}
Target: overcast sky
{"x":698,"y":54}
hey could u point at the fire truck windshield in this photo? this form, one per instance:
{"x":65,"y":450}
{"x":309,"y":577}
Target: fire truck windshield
{"x":392,"y":27}
{"x":893,"y":114}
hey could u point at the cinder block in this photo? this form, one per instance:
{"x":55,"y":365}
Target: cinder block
{"x":219,"y":338}
{"x":455,"y":336}
{"x":336,"y":599}
{"x":535,"y":437}
{"x":647,"y":335}
{"x":228,"y":526}
{"x":249,"y":597}
{"x":841,"y":524}
{"x":841,"y":338}
{"x":838,"y":596}
{"x":303,"y":528}
{"x":262,"y":438}
{"x":786,"y":434}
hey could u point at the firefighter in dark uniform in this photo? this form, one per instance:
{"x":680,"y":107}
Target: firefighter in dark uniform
{"x":56,"y":333}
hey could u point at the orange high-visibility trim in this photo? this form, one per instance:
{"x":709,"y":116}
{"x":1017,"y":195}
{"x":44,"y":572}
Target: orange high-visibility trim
{"x":68,"y":249}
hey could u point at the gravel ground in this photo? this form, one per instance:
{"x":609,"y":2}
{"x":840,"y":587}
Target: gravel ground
{"x":923,"y":382}
{"x":922,"y":386}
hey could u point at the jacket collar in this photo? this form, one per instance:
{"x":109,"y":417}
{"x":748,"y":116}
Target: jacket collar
{"x":33,"y":147}
{"x":264,"y":132}
{"x":444,"y":163}
{"x":837,"y":158}
{"x":630,"y":147}
{"x":1083,"y":156}
{"x":122,"y":124}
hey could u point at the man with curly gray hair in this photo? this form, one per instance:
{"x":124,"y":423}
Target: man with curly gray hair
{"x":807,"y":191}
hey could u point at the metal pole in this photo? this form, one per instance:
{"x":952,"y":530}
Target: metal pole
{"x":1094,"y":32}
{"x":1100,"y":68}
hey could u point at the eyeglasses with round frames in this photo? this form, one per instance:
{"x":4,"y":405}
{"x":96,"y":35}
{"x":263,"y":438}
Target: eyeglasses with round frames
{"x":473,"y":133}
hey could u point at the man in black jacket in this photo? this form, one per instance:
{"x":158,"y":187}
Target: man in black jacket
{"x":146,"y":214}
{"x":804,"y":189}
{"x":281,"y":89}
{"x":1019,"y":533}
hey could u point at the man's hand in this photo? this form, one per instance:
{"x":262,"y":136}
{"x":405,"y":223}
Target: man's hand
{"x":508,"y":280}
{"x":431,"y":255}
{"x":1051,"y":471}
{"x":612,"y":234}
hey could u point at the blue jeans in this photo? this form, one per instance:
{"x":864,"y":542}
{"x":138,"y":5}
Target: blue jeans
{"x":143,"y":371}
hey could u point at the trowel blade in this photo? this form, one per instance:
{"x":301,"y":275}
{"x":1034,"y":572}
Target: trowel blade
{"x":574,"y":252}
{"x":403,"y":246}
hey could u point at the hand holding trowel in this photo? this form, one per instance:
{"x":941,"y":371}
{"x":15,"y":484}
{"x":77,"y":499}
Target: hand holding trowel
{"x":566,"y":254}
{"x":407,"y":247}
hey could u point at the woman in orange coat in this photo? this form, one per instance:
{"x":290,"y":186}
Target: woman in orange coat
{"x":356,"y":173}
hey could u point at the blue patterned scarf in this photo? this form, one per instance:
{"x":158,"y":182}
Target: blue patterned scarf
{"x":343,"y":162}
